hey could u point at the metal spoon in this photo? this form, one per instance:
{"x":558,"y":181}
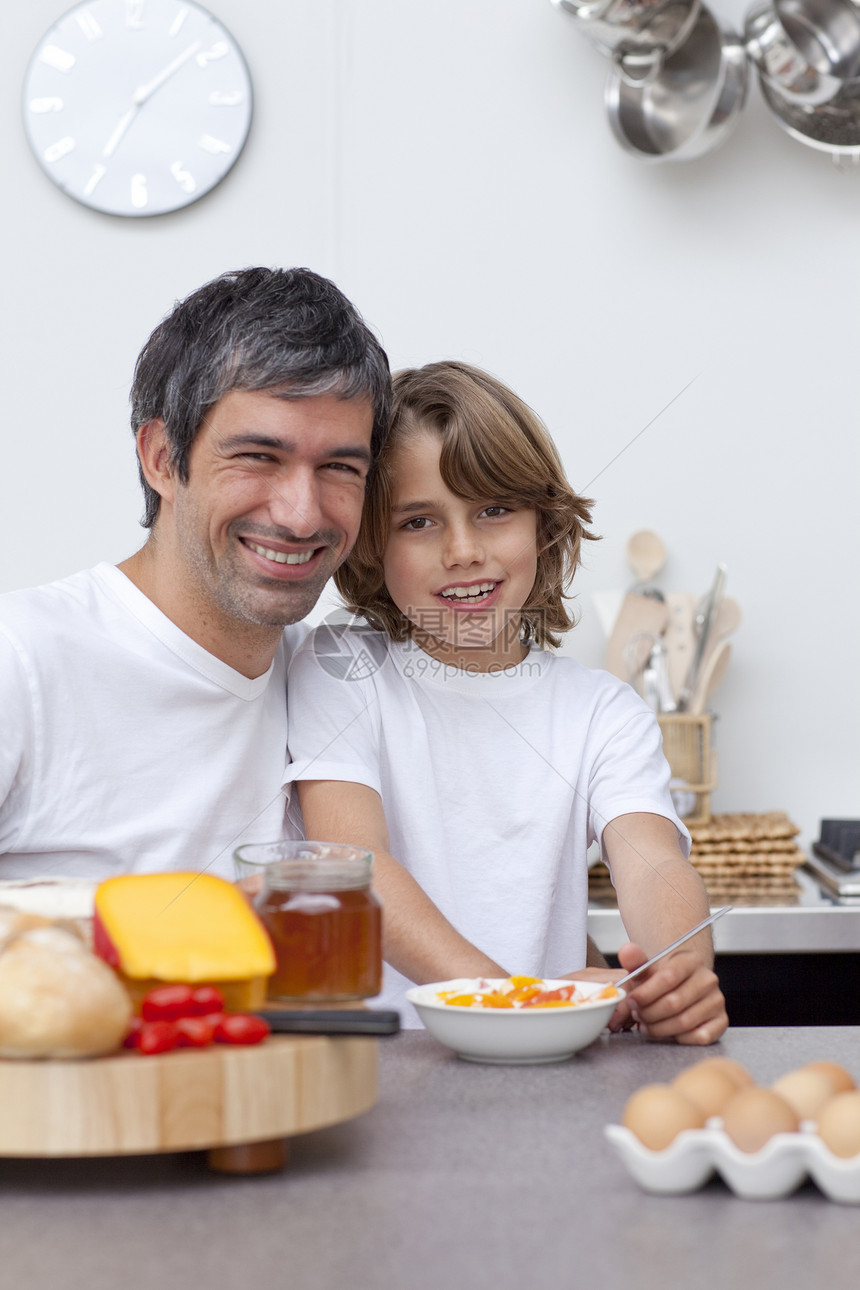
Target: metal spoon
{"x":704,"y":625}
{"x":706,"y":922}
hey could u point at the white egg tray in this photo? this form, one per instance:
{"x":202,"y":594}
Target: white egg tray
{"x":778,"y":1169}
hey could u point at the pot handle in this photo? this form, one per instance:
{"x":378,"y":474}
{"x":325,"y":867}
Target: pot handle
{"x":638,"y":67}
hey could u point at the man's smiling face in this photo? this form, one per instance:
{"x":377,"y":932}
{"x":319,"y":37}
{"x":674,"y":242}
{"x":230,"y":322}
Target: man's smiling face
{"x":272,"y":505}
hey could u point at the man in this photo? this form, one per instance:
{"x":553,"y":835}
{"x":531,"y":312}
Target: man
{"x":144,"y":705}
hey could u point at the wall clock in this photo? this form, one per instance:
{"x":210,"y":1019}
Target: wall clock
{"x":137,"y":107}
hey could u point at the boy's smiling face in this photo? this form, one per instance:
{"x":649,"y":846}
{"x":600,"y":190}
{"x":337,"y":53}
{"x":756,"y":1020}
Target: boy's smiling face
{"x":459,"y":570}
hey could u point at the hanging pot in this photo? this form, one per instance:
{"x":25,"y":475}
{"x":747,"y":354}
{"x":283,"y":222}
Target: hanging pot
{"x":832,"y":127}
{"x":827,"y":33}
{"x":637,"y":29}
{"x":781,"y":63}
{"x":689,"y":104}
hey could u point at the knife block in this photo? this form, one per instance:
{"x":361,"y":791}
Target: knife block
{"x":688,"y":748}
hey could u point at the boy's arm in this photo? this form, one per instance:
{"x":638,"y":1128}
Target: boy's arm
{"x":417,"y":938}
{"x":660,"y":896}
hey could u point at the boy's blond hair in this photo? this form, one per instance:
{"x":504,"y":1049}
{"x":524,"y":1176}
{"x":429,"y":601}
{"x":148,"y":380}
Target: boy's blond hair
{"x":494,"y":448}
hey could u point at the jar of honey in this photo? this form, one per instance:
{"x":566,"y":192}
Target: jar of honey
{"x":325,"y":922}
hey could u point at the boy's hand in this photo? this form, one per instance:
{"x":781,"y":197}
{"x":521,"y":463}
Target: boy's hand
{"x":678,"y":998}
{"x":622,"y":1018}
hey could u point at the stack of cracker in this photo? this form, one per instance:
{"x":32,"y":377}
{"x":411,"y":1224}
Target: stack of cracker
{"x":747,"y":855}
{"x":750,"y":858}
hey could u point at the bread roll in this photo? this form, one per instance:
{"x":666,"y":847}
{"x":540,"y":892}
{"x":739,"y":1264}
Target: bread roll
{"x":13,"y":922}
{"x":57,"y":999}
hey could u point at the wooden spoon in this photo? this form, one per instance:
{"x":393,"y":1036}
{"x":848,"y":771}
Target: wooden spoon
{"x":680,"y":636}
{"x":646,"y":555}
{"x":710,"y":676}
{"x":728,"y":618}
{"x":642,"y":617}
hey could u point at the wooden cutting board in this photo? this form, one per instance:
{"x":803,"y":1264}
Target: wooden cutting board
{"x":640,"y":621}
{"x":184,"y":1100}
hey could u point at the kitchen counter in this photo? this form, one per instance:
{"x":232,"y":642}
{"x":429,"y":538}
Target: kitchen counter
{"x":778,"y":964}
{"x":462,"y":1176}
{"x":813,"y":925}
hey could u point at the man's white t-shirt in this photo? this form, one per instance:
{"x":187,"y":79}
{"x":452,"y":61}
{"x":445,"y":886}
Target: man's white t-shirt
{"x":494,"y":785}
{"x":126,"y":747}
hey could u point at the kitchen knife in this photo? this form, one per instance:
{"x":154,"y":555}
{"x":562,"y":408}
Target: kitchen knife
{"x":330,"y":1021}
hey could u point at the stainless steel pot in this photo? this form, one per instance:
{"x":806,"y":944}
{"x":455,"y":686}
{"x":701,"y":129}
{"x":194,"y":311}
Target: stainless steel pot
{"x":780,"y":62}
{"x":638,"y":32}
{"x":832,"y":127}
{"x":690,"y":105}
{"x":827,"y":33}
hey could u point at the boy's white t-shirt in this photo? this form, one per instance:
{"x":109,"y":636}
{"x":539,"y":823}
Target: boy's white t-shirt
{"x":494,"y":785}
{"x":126,"y":746}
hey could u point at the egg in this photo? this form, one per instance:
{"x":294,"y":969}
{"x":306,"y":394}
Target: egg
{"x":806,"y":1091}
{"x":754,"y":1115}
{"x":839,"y":1124}
{"x":842,"y":1081}
{"x":734,"y":1070}
{"x":657,"y":1113}
{"x":710,"y":1087}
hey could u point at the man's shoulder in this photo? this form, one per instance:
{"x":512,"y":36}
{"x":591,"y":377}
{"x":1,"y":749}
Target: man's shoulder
{"x":30,"y":607}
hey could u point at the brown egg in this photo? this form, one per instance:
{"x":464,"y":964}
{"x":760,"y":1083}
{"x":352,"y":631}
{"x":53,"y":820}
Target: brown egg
{"x":710,"y":1087}
{"x":839,"y":1124}
{"x":734,"y":1070}
{"x":754,"y":1115}
{"x":842,"y":1081}
{"x":806,"y":1091}
{"x":657,"y":1113}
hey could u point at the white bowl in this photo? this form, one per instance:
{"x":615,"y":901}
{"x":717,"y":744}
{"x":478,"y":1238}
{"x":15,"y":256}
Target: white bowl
{"x":512,"y":1036}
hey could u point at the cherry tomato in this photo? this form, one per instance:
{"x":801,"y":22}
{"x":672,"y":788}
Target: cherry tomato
{"x":133,"y":1033}
{"x":195,"y":1032}
{"x":205,"y":1000}
{"x":167,"y":1002}
{"x":157,"y":1037}
{"x":241,"y":1028}
{"x":563,"y":994}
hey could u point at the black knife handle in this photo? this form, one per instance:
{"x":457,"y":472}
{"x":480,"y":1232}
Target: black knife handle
{"x":330,"y":1021}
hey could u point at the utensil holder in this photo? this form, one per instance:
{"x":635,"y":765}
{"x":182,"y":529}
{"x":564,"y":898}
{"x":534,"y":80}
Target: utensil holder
{"x":687,"y":746}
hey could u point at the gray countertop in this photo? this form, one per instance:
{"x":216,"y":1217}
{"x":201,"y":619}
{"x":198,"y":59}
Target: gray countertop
{"x":814,"y":924}
{"x":461,"y":1176}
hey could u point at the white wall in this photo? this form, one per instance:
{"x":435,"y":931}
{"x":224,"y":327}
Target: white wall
{"x":450,"y":165}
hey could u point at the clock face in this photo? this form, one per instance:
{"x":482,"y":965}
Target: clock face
{"x":137,"y":107}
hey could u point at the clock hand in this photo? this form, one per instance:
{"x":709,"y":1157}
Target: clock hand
{"x":121,"y":126}
{"x":143,"y":92}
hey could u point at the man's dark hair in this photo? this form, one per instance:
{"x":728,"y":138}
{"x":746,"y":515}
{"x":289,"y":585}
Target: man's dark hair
{"x":255,"y":329}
